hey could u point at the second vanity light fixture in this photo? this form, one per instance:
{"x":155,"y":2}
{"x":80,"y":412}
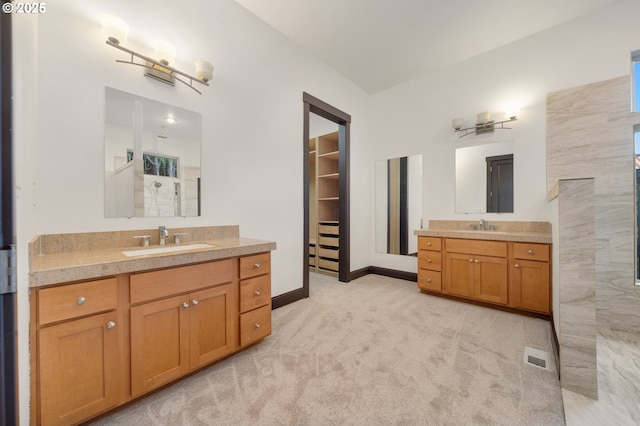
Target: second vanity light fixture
{"x":483,"y":125}
{"x":160,"y":68}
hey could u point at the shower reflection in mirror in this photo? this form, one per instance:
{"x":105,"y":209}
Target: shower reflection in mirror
{"x":152,"y":158}
{"x":398,"y":204}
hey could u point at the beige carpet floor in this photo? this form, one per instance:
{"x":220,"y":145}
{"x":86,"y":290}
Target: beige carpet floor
{"x":371,"y":352}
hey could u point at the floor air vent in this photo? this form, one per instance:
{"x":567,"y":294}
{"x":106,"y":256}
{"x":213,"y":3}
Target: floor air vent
{"x":536,"y":357}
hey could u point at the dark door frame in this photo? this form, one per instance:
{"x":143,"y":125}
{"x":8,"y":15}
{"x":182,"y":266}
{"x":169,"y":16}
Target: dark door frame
{"x":8,"y":325}
{"x":314,"y":105}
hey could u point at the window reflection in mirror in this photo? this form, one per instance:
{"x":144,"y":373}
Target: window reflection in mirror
{"x":482,"y":185}
{"x":152,"y":157}
{"x":398,"y":204}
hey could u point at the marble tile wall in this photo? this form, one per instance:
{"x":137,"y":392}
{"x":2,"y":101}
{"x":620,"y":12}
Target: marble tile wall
{"x":590,"y":134}
{"x":577,"y":275}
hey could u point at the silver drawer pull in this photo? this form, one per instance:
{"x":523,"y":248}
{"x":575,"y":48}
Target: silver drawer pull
{"x":516,"y":265}
{"x":256,"y":325}
{"x":256,"y":265}
{"x":81,"y":300}
{"x":470,"y":260}
{"x":477,"y":261}
{"x":428,"y":280}
{"x":194,"y":302}
{"x":530,"y":252}
{"x":428,"y":244}
{"x":257,"y":293}
{"x":110,"y":325}
{"x":185,"y":305}
{"x":428,"y":260}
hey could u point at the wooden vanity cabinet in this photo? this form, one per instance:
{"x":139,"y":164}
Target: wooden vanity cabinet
{"x":530,"y":277}
{"x":181,"y":331}
{"x":430,"y":263}
{"x":477,"y":269}
{"x":514,"y":274}
{"x":255,"y":298}
{"x":79,"y":352}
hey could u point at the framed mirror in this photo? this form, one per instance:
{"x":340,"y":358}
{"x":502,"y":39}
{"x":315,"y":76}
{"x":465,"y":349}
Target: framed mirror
{"x":152,"y":158}
{"x":398,"y":204}
{"x":484,"y":178}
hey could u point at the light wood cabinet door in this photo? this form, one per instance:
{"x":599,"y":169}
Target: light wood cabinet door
{"x":460,"y":274}
{"x":79,"y":374}
{"x":491,"y":279}
{"x":213,"y":324}
{"x":159,"y":343}
{"x":530,"y":285}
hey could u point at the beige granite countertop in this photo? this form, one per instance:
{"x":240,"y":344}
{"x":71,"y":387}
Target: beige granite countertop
{"x":531,"y":232}
{"x":80,"y":264}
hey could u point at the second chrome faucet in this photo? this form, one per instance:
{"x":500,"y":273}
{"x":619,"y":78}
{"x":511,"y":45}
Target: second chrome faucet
{"x":164,"y":233}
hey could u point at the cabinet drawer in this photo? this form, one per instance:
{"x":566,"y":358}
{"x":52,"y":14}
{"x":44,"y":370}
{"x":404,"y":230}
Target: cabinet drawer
{"x":168,"y":282}
{"x":429,"y":280}
{"x":430,"y":260}
{"x":531,"y":251}
{"x":330,"y":253}
{"x":479,"y":247}
{"x":331,"y":265}
{"x":329,"y":229}
{"x":255,"y":292}
{"x":329,"y":241}
{"x":430,"y":243}
{"x":75,"y":300}
{"x":254,"y":325}
{"x":258,"y":264}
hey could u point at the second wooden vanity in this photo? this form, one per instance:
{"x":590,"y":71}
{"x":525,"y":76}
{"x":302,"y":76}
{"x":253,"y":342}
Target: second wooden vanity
{"x":489,"y":267}
{"x":101,"y":342}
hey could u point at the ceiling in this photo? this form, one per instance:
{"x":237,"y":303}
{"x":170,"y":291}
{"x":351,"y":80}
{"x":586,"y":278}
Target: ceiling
{"x":378,"y":44}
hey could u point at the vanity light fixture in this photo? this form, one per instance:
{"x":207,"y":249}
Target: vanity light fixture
{"x":160,"y":69}
{"x":483,"y":125}
{"x":170,"y":119}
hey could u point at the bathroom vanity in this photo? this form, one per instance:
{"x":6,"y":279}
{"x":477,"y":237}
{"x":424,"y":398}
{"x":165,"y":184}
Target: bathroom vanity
{"x":509,"y":266}
{"x":108,"y":327}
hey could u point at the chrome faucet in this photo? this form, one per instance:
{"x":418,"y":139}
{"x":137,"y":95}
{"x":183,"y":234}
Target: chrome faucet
{"x":481,"y":224}
{"x":164,"y":233}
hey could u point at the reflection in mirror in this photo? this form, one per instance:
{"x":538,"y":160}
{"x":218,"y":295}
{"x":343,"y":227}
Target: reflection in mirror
{"x":398,"y":204}
{"x":484,"y":178}
{"x":152,"y":158}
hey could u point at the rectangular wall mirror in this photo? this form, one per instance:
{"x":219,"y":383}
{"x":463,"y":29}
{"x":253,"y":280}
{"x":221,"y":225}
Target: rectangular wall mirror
{"x":152,"y":158}
{"x":484,"y":178}
{"x":398,"y":204}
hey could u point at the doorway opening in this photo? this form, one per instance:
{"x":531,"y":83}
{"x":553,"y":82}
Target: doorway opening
{"x":335,"y":204}
{"x":500,"y":184}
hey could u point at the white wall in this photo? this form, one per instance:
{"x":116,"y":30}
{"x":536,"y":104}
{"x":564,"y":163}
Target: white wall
{"x":252,"y":159}
{"x":415,"y":117}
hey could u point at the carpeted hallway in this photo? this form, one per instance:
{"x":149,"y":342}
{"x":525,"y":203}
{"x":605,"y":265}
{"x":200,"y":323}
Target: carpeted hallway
{"x":373,"y":351}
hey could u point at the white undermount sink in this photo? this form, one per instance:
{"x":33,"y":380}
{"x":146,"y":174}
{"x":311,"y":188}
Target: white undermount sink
{"x":166,"y":249}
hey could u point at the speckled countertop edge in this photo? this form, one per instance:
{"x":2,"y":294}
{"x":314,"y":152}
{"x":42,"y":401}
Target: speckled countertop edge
{"x":48,"y":269}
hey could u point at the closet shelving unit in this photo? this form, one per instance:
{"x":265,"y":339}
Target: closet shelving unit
{"x":324,"y":249}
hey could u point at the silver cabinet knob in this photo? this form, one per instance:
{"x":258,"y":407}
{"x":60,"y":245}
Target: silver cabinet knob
{"x":111,"y":324}
{"x":428,"y":280}
{"x":470,"y":260}
{"x":194,"y":302}
{"x":530,"y":252}
{"x":516,"y":265}
{"x":477,"y":261}
{"x":256,"y":265}
{"x":185,"y":305}
{"x":257,"y":293}
{"x":81,"y":300}
{"x":428,"y":244}
{"x":256,"y":325}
